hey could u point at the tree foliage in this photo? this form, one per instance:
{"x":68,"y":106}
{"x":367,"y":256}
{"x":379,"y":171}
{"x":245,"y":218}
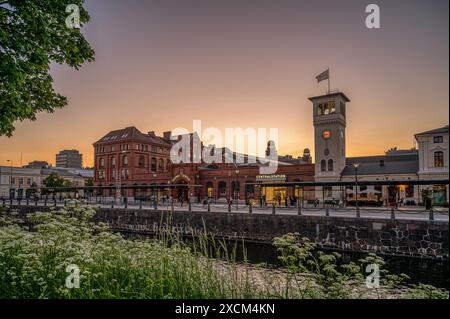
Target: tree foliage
{"x":33,"y":34}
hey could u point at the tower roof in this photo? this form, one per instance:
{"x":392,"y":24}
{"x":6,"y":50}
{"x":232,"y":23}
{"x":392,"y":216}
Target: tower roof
{"x":330,"y":95}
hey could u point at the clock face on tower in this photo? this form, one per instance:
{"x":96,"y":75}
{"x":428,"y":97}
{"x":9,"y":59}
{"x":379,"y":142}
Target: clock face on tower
{"x":326,"y":134}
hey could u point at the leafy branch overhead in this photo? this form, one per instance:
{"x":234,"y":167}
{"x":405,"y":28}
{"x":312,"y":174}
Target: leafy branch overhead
{"x":33,"y":34}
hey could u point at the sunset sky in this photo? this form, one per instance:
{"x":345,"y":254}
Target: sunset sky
{"x":249,"y":63}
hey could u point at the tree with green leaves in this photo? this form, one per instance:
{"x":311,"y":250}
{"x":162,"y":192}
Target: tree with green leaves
{"x":34,"y":34}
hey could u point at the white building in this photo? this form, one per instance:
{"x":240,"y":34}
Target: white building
{"x":15,"y":181}
{"x":429,"y":162}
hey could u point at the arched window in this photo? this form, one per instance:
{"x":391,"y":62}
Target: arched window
{"x":141,"y":161}
{"x":113,"y":162}
{"x":125,"y":160}
{"x":320,"y":109}
{"x":102,"y":162}
{"x":332,"y":107}
{"x":323,"y":165}
{"x":326,"y":109}
{"x":330,"y":165}
{"x":438,"y":159}
{"x":161,"y":165}
{"x":153,"y":166}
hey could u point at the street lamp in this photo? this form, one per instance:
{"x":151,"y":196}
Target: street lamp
{"x":236,"y":191}
{"x":119,"y":179}
{"x":355,"y":166}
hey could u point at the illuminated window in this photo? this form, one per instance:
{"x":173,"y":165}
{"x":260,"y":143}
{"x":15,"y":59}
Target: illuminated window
{"x":439,"y":159}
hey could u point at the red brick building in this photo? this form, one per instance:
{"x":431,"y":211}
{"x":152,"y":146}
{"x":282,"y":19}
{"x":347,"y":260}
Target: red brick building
{"x":130,"y":158}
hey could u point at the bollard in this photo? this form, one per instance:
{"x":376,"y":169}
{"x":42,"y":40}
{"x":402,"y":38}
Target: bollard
{"x":10,"y":201}
{"x":112,"y":204}
{"x":250,"y":208}
{"x":358,"y":213}
{"x":140,"y":204}
{"x":327,"y":211}
{"x":392,"y":213}
{"x":4,"y":203}
{"x":28,"y":201}
{"x":273,"y":208}
{"x":229,"y":207}
{"x":18,"y":201}
{"x":189,"y":205}
{"x":431,"y":214}
{"x":45,"y":202}
{"x":209,"y":207}
{"x":126,"y":202}
{"x":36,"y":201}
{"x":171,"y":206}
{"x":299,"y":207}
{"x":54,"y":202}
{"x":155,"y":204}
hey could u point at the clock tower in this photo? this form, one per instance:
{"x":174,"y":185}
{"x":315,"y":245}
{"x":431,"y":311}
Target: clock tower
{"x":329,"y":119}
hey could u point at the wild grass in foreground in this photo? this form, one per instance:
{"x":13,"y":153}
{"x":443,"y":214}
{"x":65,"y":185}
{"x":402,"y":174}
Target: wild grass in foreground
{"x":35,"y":254}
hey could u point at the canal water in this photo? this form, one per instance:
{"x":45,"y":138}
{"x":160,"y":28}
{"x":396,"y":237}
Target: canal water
{"x":420,"y":270}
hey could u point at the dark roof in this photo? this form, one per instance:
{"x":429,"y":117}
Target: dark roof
{"x":132,"y":133}
{"x":330,"y":95}
{"x":435,"y":131}
{"x":383,"y":165}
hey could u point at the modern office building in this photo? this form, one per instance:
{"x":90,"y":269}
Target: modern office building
{"x":69,"y":159}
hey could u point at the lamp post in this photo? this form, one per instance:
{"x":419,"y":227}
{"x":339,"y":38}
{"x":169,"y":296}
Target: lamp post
{"x":236,"y":191}
{"x":119,"y":179}
{"x":10,"y":178}
{"x":355,"y":166}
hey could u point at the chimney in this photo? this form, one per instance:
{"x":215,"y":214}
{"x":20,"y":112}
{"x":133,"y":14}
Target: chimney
{"x":152,"y":133}
{"x":166,"y":135}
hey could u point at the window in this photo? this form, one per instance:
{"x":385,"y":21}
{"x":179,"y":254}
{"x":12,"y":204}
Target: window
{"x":409,"y":191}
{"x":161,"y":165}
{"x":320,"y":109}
{"x":13,"y":180}
{"x":363,"y":191}
{"x":332,"y":107}
{"x":141,"y":161}
{"x":125,"y":160}
{"x":330,"y":165}
{"x":20,"y":181}
{"x":153,"y":166}
{"x":102,"y":162}
{"x":323,"y":166}
{"x":438,"y":139}
{"x":326,"y":109}
{"x":439,"y":159}
{"x":113,"y":162}
{"x":28,"y":181}
{"x":168,"y":164}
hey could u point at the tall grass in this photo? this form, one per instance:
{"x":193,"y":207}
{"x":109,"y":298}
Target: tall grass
{"x":36,"y":249}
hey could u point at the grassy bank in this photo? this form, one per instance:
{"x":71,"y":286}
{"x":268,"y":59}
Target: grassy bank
{"x":40,"y":257}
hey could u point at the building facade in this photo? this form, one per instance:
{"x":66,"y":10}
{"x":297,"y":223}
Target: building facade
{"x":18,"y":182}
{"x":128,"y":157}
{"x":69,"y":159}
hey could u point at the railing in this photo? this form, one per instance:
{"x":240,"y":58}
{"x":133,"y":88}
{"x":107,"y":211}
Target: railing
{"x":392,"y":213}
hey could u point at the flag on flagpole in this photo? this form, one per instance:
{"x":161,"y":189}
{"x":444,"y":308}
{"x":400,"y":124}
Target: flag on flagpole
{"x":323,"y":76}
